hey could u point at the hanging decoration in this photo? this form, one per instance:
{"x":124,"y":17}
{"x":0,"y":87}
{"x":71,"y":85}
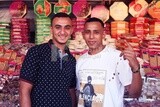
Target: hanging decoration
{"x":138,"y":8}
{"x":81,"y":9}
{"x":101,"y":12}
{"x":62,"y":6}
{"x":42,"y":8}
{"x":18,"y":9}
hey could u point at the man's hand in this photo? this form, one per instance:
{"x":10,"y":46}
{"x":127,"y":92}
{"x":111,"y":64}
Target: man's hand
{"x":129,"y":54}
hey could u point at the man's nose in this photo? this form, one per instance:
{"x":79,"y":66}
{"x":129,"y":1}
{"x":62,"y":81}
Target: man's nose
{"x":91,"y":35}
{"x":62,"y":31}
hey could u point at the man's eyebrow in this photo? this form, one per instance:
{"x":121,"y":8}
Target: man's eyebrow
{"x":62,"y":25}
{"x":96,"y":30}
{"x":57,"y":25}
{"x":68,"y":26}
{"x":86,"y":29}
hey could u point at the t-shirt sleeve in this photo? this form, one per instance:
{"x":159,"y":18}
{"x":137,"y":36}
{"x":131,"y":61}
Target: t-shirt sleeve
{"x":73,"y":81}
{"x":124,"y":71}
{"x":30,"y":66}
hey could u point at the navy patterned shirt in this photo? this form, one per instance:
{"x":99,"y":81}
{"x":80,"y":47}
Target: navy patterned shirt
{"x":51,"y":77}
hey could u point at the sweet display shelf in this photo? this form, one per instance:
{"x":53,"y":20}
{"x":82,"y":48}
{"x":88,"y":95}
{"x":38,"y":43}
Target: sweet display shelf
{"x":9,"y":80}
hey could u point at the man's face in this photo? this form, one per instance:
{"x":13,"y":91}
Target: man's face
{"x":89,"y":81}
{"x":93,"y":34}
{"x":61,"y":29}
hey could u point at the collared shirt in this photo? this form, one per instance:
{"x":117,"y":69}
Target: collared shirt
{"x":57,"y":53}
{"x":51,"y":81}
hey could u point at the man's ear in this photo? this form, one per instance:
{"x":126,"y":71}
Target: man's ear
{"x":83,"y":34}
{"x":72,"y":30}
{"x":104,"y":34}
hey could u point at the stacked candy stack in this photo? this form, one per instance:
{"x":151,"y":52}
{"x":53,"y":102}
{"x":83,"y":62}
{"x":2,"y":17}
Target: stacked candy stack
{"x":11,"y":57}
{"x":118,"y":10}
{"x":107,"y":28}
{"x":4,"y":33}
{"x":42,"y":29}
{"x":9,"y":91}
{"x":118,"y":28}
{"x":135,"y":43}
{"x":154,"y":10}
{"x":78,"y":45}
{"x":80,"y":24}
{"x":19,"y":30}
{"x":109,"y":41}
{"x":138,"y":8}
{"x":81,"y":9}
{"x":154,"y":27}
{"x":139,"y":26}
{"x":74,"y":23}
{"x":151,"y":55}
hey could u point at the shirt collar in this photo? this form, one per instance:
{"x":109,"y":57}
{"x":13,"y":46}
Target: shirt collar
{"x":55,"y":51}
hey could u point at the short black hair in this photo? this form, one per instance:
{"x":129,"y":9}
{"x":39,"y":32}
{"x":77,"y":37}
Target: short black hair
{"x":89,"y":78}
{"x":60,"y":14}
{"x":94,"y":19}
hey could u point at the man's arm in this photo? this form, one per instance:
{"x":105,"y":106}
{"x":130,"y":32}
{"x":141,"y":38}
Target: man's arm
{"x":135,"y":87}
{"x":73,"y":96}
{"x":24,"y":92}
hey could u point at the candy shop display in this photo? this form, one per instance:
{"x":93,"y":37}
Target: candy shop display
{"x":116,"y":9}
{"x":154,"y":27}
{"x":109,"y":41}
{"x":107,"y":27}
{"x":136,"y":22}
{"x":81,"y":9}
{"x":11,"y":58}
{"x":18,"y":9}
{"x":42,"y":30}
{"x":77,"y":46}
{"x":42,"y":8}
{"x":19,"y":30}
{"x":4,"y":33}
{"x":118,"y":28}
{"x":9,"y":91}
{"x":139,"y":26}
{"x":138,"y":8}
{"x":79,"y":24}
{"x":154,"y":10}
{"x":150,"y":54}
{"x":62,"y":6}
{"x":132,"y":40}
{"x":150,"y":96}
{"x":101,"y":12}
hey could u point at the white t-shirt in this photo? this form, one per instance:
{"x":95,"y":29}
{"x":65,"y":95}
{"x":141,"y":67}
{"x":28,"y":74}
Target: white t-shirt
{"x":108,"y":72}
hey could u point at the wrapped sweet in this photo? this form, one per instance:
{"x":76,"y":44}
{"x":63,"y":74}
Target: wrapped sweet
{"x":116,"y":8}
{"x":138,"y":8}
{"x":42,"y":30}
{"x":19,"y":30}
{"x":101,"y":12}
{"x":81,"y":9}
{"x":154,"y":10}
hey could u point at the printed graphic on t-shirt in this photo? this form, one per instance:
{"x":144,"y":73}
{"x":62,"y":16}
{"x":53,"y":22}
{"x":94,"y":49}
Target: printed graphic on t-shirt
{"x":92,"y":83}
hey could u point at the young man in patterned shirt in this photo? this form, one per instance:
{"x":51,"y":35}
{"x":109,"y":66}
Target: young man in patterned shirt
{"x":47,"y":77}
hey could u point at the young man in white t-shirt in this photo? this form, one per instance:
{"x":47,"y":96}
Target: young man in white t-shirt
{"x":112,"y":71}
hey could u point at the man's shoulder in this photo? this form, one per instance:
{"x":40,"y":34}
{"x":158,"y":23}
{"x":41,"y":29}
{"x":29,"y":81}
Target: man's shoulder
{"x":72,"y":58}
{"x":39,"y":46}
{"x":82,"y":56}
{"x":112,"y":50}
